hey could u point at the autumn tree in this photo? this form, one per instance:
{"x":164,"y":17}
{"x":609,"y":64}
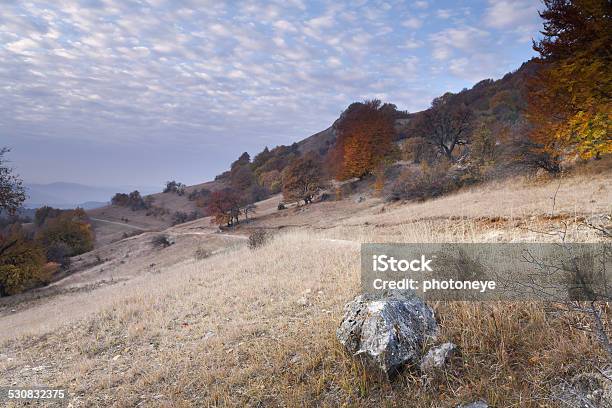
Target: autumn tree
{"x":272,"y":181}
{"x":302,"y":179}
{"x":12,"y":192}
{"x":365,"y":138}
{"x":70,"y":228}
{"x":225,"y":206}
{"x":445,"y":125}
{"x":569,"y":97}
{"x":22,"y":263}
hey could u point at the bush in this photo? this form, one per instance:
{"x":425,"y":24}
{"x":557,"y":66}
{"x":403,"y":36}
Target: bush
{"x":156,"y":211}
{"x":199,"y":194}
{"x":59,"y":252}
{"x":201,"y":253}
{"x":423,"y":183}
{"x":181,"y":217}
{"x":258,"y":239}
{"x":175,"y":187}
{"x":162,"y":241}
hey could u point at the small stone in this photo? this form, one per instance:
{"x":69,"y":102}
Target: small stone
{"x":477,"y":404}
{"x":438,"y":357}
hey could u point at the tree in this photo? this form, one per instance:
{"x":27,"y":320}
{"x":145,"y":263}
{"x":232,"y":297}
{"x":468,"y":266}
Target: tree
{"x":175,"y":187}
{"x":569,"y":97}
{"x":22,"y":264}
{"x":242,"y":177}
{"x":446,"y":124}
{"x":302,"y":179}
{"x":249,"y":208}
{"x":12,"y":192}
{"x":365,"y":138}
{"x":272,"y":181}
{"x":483,"y":149}
{"x":71,"y":228}
{"x":44,"y":213}
{"x":133,"y":200}
{"x":244,"y":159}
{"x":224,"y":206}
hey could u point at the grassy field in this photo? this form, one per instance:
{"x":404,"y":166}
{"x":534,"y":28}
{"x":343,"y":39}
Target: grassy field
{"x":247,"y":327}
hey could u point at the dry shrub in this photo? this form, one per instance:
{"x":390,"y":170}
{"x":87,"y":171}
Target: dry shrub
{"x":162,"y":241}
{"x":427,"y":181}
{"x":201,"y":253}
{"x":258,"y":239}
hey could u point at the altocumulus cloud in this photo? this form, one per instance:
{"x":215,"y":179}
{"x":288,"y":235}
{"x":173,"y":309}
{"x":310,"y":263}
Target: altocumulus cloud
{"x":262,"y":72}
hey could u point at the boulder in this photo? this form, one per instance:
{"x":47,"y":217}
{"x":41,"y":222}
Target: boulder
{"x":438,"y":357}
{"x":387,"y":330}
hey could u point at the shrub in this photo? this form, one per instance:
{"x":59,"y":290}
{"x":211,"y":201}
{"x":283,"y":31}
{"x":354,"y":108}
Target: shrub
{"x":425,"y":182}
{"x":181,"y":217}
{"x":199,"y":194}
{"x":258,"y":239}
{"x":59,"y":252}
{"x":201,"y":253}
{"x":175,"y":187}
{"x":162,"y":241}
{"x":156,"y":211}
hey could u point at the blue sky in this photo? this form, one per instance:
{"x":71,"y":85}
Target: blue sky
{"x":112,"y":92}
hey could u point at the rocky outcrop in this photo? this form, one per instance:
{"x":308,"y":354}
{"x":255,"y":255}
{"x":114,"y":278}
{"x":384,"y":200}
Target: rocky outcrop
{"x":388,"y":331}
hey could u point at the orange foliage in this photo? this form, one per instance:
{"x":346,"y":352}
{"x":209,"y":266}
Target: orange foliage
{"x":365,"y":139}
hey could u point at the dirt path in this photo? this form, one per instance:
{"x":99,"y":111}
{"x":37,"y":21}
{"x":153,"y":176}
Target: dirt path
{"x":118,"y":223}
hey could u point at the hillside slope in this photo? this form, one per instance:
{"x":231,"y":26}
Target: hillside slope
{"x":502,"y":100}
{"x":231,"y":326}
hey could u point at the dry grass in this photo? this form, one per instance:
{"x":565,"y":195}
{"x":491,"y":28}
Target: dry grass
{"x":257,"y":327}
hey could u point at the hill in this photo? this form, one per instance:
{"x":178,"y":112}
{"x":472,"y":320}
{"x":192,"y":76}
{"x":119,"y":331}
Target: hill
{"x":500,"y":101}
{"x":193,"y":323}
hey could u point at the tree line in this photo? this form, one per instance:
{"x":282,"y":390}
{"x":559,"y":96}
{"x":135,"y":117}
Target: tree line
{"x":32,"y":251}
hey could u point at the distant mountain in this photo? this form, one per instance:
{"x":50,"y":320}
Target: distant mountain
{"x":71,"y":195}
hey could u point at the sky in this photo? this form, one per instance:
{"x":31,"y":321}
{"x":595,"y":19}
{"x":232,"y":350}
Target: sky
{"x":115,"y":92}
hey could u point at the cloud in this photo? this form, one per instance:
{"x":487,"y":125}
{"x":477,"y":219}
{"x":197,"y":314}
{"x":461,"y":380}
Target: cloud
{"x":413,"y":23}
{"x":124,"y":72}
{"x":325,"y":21}
{"x":284,"y":25}
{"x":445,"y":42}
{"x":444,"y":14}
{"x":23,"y":46}
{"x":507,"y":14}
